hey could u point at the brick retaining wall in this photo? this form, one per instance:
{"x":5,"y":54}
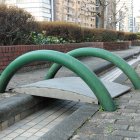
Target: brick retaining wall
{"x":135,"y":43}
{"x":9,"y":53}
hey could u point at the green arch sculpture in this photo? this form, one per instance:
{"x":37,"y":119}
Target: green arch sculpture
{"x":73,"y":64}
{"x":101,"y":53}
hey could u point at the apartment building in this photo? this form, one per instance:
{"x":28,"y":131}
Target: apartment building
{"x":75,"y":11}
{"x":40,"y":9}
{"x":127,"y":22}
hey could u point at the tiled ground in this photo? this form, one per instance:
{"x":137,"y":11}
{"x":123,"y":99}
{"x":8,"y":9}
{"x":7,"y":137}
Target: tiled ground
{"x":38,"y":124}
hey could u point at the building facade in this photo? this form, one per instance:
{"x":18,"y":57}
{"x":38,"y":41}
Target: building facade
{"x":40,"y":9}
{"x":75,"y":11}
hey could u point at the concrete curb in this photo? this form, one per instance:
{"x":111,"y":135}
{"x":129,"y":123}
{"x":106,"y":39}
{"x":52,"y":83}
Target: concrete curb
{"x":66,"y":128}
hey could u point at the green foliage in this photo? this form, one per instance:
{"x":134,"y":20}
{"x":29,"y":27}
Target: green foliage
{"x":138,"y":35}
{"x":41,"y":39}
{"x":15,"y":26}
{"x":69,"y":32}
{"x":38,"y":38}
{"x":101,"y":109}
{"x":130,"y":36}
{"x":102,"y":35}
{"x":120,"y":35}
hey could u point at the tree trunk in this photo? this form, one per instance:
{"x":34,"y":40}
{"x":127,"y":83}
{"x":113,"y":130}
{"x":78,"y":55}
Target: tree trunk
{"x":101,"y":17}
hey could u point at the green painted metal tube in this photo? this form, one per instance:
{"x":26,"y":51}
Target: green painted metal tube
{"x":73,"y":64}
{"x":101,"y":53}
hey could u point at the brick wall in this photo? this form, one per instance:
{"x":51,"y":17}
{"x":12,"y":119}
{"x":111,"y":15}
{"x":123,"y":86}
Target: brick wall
{"x":9,"y":53}
{"x":135,"y":43}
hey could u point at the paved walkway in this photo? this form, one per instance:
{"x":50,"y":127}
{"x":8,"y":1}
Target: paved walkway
{"x":123,"y":124}
{"x":102,"y":125}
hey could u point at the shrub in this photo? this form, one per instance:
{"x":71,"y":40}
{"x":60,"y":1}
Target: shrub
{"x":130,"y":36}
{"x":138,"y":36}
{"x":120,"y":35}
{"x":103,"y":35}
{"x":67,"y":31}
{"x":38,"y":38}
{"x":16,"y":26}
{"x":41,"y":39}
{"x":87,"y":35}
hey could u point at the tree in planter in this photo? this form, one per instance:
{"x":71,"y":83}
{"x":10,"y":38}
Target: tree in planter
{"x":16,"y":26}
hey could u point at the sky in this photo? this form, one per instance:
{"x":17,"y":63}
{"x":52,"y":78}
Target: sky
{"x":136,"y":9}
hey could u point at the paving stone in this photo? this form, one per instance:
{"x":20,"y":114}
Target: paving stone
{"x":17,"y":118}
{"x":126,"y":133}
{"x":12,"y":135}
{"x":19,"y":131}
{"x":26,"y":134}
{"x":33,"y":138}
{"x":39,"y":133}
{"x":131,"y":138}
{"x":11,"y":121}
{"x":4,"y":125}
{"x":127,"y":110}
{"x":114,"y":126}
{"x":134,"y":128}
{"x":97,"y":137}
{"x":7,"y":138}
{"x":20,"y":138}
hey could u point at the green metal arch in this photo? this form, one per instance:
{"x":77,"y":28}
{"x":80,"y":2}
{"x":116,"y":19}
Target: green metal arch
{"x":73,"y":64}
{"x":101,"y":53}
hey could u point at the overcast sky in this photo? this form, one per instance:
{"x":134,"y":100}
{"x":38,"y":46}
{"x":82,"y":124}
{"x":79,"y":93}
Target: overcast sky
{"x":136,"y":7}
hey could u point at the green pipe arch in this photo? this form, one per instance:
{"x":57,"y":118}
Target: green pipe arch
{"x":101,"y":53}
{"x":73,"y":64}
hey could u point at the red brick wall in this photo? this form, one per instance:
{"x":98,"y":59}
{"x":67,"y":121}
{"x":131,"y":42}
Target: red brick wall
{"x":9,"y":53}
{"x":135,"y":43}
{"x":117,"y":45}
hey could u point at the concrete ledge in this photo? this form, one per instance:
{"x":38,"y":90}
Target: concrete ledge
{"x":66,"y":128}
{"x":17,"y":107}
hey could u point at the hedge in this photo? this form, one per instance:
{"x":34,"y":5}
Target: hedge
{"x":72,"y":32}
{"x":18,"y":27}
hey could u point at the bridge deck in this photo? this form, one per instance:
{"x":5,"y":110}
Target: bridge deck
{"x":69,"y":88}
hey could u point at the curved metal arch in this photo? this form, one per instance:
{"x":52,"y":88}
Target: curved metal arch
{"x":68,"y":61}
{"x":101,"y":53}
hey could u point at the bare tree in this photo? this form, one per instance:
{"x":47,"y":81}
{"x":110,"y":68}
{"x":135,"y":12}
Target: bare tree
{"x":96,"y":8}
{"x":116,"y":13}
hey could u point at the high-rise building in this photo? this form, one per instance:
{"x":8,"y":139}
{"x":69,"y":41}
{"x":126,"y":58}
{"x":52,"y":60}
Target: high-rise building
{"x":40,"y":9}
{"x":75,"y":11}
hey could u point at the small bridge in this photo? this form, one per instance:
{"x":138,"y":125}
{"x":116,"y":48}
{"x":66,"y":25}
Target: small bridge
{"x":87,"y":87}
{"x":69,"y":88}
